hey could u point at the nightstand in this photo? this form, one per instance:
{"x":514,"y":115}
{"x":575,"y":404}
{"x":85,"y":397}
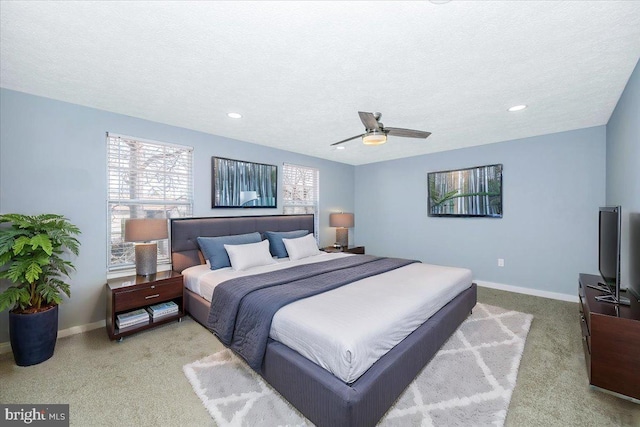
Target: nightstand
{"x":126,"y":294}
{"x":349,"y":249}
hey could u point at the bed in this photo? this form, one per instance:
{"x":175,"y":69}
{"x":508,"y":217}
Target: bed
{"x":321,"y":396}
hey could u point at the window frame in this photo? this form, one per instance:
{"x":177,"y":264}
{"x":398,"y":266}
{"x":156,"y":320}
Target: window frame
{"x":316,"y":189}
{"x":164,"y":255}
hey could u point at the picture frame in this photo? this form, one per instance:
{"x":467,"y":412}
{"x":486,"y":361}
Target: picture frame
{"x":469,"y":192}
{"x":243,"y":184}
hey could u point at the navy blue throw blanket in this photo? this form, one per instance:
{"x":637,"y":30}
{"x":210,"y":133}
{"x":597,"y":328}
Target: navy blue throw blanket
{"x":242,"y":308}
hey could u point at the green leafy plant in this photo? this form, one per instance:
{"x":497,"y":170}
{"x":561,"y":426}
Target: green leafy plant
{"x":31,"y":258}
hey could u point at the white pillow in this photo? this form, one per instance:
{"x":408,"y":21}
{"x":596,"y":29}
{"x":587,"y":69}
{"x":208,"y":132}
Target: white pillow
{"x":249,"y":255}
{"x":301,"y":247}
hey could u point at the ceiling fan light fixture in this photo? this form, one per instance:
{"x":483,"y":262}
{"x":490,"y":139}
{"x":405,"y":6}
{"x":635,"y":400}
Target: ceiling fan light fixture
{"x":374,"y":138}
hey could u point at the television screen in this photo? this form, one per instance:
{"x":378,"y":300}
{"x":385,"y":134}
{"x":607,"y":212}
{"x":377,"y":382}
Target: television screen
{"x":609,"y":235}
{"x":609,"y":246}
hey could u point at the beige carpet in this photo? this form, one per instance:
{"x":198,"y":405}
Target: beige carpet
{"x":468,"y":382}
{"x":140,"y":381}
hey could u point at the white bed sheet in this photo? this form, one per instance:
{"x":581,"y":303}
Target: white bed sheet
{"x":202,"y":280}
{"x":346,"y":330}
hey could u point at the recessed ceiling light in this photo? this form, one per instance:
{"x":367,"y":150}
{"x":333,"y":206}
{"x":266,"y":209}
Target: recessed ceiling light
{"x":517,"y":108}
{"x":234,"y":115}
{"x":340,"y":148}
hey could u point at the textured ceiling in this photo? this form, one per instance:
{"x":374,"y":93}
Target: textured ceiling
{"x":300,"y":71}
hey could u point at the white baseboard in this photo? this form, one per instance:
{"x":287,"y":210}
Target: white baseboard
{"x":81,"y":328}
{"x":528,"y":291}
{"x":5,"y":347}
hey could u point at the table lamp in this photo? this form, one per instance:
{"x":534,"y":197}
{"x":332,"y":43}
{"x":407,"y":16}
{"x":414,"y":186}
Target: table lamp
{"x":343,"y":221}
{"x":144,"y":230}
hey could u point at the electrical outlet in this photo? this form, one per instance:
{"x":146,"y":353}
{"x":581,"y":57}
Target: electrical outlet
{"x":500,"y":262}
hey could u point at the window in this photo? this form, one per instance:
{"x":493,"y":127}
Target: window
{"x":301,"y":191}
{"x":146,"y":179}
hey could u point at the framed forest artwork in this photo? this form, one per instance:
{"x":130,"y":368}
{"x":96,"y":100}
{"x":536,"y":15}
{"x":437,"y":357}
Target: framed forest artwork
{"x":470,"y":192}
{"x":241,"y":184}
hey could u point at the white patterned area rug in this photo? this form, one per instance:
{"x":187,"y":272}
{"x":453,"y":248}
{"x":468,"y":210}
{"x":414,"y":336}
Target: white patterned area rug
{"x":468,"y":382}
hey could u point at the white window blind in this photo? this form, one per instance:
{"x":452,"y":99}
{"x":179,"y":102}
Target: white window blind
{"x":146,"y":179}
{"x":301,"y":190}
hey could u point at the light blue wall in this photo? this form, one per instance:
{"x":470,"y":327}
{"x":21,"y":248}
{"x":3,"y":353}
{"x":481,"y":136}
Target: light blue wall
{"x":552,"y":188}
{"x":53,"y":159}
{"x":623,"y":176}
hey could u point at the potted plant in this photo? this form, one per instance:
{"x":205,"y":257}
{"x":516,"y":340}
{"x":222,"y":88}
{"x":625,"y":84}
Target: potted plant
{"x":31,"y":258}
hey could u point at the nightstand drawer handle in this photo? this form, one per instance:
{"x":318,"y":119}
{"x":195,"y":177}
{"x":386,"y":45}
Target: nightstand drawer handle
{"x":152,"y":296}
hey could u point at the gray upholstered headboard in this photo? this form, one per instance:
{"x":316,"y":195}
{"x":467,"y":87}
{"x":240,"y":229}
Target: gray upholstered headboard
{"x":185,"y":231}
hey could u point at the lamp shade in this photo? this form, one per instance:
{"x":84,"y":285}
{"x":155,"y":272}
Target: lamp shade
{"x":341,"y":220}
{"x":145,"y":229}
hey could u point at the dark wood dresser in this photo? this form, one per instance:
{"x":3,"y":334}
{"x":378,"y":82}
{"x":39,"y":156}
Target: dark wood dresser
{"x":611,"y":340}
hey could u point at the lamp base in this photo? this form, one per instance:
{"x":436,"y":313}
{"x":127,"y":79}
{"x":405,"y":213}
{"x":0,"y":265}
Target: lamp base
{"x":146,"y":259}
{"x":342,"y":237}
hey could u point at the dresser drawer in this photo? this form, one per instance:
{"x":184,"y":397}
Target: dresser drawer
{"x":585,"y":332}
{"x":587,"y":355}
{"x":147,"y":295}
{"x":585,"y":314}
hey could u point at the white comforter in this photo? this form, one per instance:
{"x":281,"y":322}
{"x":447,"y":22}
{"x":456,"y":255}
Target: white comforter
{"x":347,"y":329}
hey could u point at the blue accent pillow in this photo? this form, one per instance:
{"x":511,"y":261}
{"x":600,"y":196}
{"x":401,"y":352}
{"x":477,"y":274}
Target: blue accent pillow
{"x":213,"y":247}
{"x":276,"y":246}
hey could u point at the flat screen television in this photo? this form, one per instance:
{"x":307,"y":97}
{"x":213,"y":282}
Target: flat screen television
{"x":609,"y":237}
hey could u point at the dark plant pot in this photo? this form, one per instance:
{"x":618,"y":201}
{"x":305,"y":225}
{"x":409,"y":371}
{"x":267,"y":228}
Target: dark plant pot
{"x":33,"y":336}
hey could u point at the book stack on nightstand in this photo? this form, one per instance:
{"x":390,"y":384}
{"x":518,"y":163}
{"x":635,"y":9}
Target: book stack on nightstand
{"x":132,"y":319}
{"x":163,"y":309}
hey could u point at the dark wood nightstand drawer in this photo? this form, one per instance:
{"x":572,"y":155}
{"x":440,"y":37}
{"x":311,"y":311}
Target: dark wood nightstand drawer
{"x":147,"y":295}
{"x":350,"y":249}
{"x":355,"y":250}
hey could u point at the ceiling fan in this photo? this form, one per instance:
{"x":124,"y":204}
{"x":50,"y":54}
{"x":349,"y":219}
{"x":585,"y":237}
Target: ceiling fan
{"x":376,"y":133}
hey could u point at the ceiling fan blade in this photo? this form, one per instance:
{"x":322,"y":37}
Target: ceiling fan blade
{"x":369,"y":121}
{"x":407,"y":133}
{"x":348,"y":139}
